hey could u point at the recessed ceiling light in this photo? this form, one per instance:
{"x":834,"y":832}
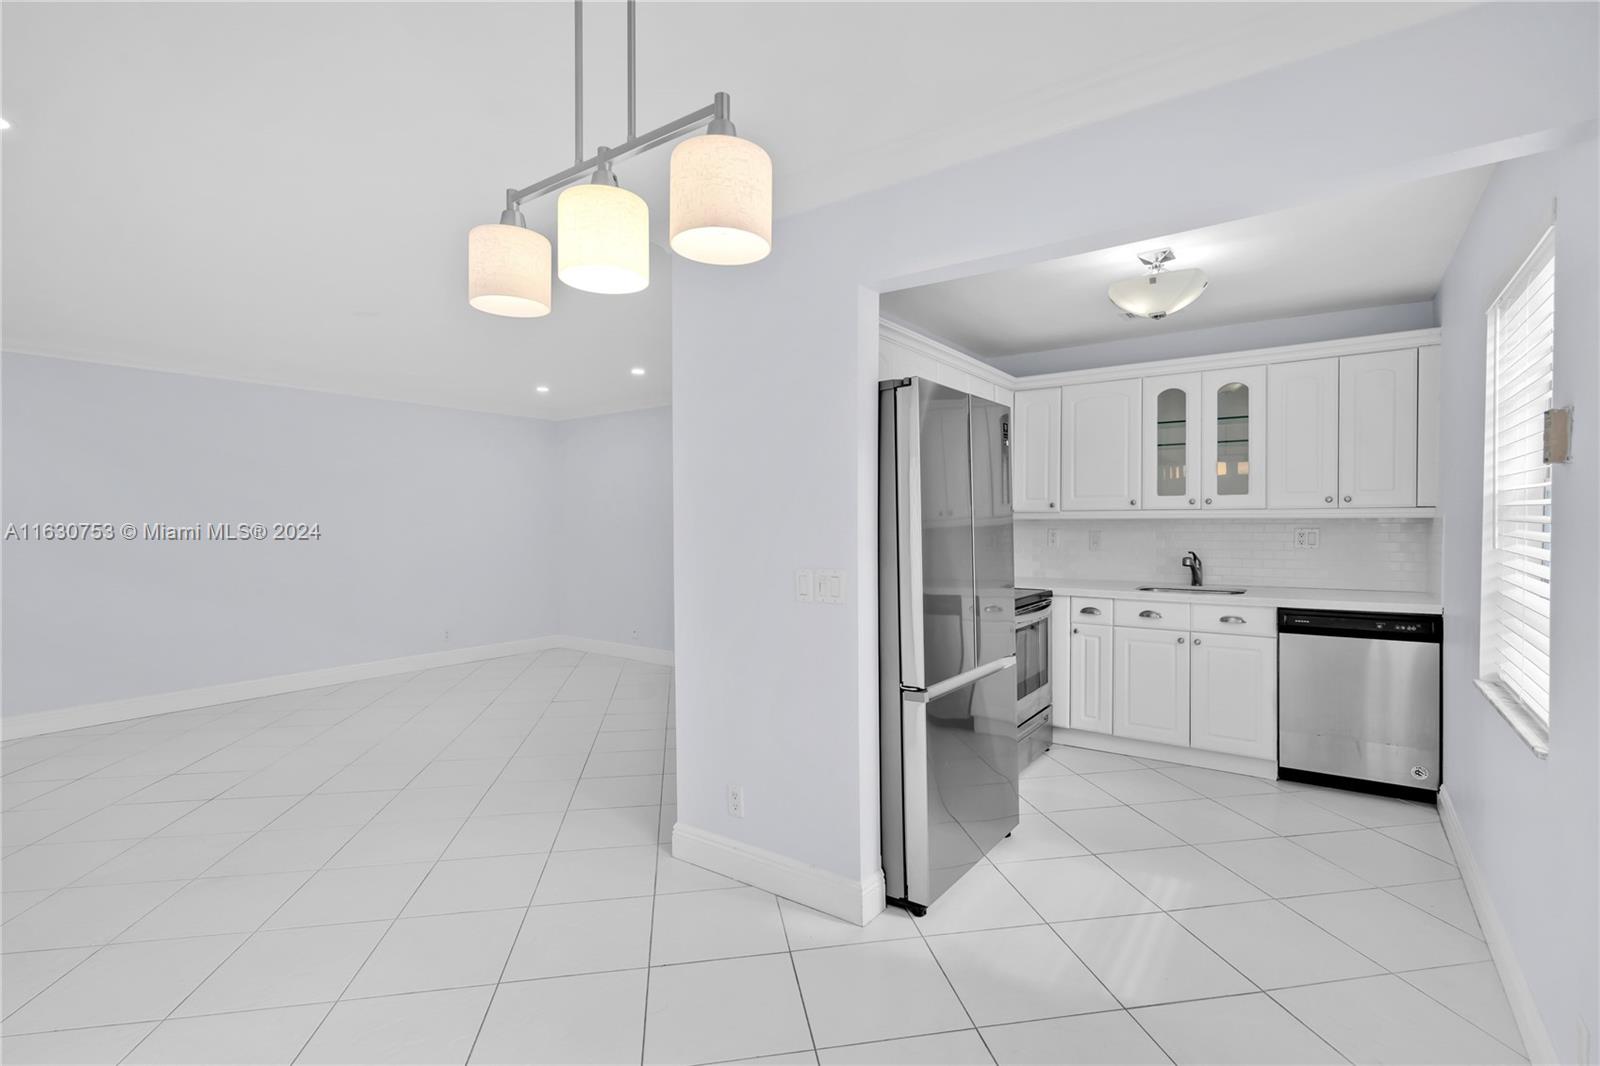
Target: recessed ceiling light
{"x":4,"y":125}
{"x":541,"y":388}
{"x":637,"y":371}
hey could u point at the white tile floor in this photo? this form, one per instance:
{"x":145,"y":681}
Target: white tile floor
{"x":468,"y":864}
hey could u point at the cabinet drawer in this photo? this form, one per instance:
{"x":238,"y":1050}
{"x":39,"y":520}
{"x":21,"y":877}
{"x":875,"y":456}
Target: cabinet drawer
{"x":1245,"y":621}
{"x":1147,"y":614}
{"x":1091,"y":610}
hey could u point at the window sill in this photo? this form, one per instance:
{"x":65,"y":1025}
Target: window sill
{"x":1534,"y":731}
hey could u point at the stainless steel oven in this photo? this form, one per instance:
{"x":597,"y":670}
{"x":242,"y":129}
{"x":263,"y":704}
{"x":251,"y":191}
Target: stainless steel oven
{"x":1033,"y":672}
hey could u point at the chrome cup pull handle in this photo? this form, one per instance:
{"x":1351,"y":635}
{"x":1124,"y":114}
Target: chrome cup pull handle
{"x":1233,"y":619}
{"x":1088,"y":610}
{"x":1150,"y":614}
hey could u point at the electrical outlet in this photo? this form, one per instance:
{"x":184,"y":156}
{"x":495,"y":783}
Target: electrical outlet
{"x":1307,"y":538}
{"x":1094,"y":540}
{"x":736,"y":800}
{"x":1052,"y":538}
{"x":447,"y":636}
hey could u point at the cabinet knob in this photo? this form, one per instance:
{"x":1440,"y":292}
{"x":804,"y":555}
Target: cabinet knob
{"x":1133,"y":503}
{"x":1327,"y":499}
{"x":1208,"y":501}
{"x":1074,"y":629}
{"x":1347,"y":499}
{"x":1191,"y":501}
{"x":1052,"y":502}
{"x":1196,"y":641}
{"x":1180,"y":640}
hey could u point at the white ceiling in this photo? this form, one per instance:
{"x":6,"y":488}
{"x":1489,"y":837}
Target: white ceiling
{"x":1383,"y":246}
{"x":281,"y":192}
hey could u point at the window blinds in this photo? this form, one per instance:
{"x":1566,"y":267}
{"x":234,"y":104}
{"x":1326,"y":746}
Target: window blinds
{"x":1517,"y":500}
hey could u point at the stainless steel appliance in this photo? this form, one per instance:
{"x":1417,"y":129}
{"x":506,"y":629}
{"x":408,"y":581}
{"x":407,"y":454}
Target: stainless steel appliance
{"x":947,"y":639}
{"x":1358,"y":700}
{"x":1033,"y":674}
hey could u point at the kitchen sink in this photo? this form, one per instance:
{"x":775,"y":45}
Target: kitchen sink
{"x":1202,"y":590}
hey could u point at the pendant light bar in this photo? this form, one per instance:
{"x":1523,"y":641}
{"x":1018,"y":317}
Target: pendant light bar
{"x":714,"y":113}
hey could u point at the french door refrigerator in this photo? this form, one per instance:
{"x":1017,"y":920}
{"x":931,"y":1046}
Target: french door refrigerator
{"x":947,"y":640}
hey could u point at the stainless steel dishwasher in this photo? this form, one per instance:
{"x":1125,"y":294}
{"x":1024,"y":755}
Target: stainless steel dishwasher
{"x":1358,"y":700}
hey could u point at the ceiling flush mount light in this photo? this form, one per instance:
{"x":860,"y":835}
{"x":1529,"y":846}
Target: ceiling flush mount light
{"x":541,"y":388}
{"x":637,"y":371}
{"x":1160,"y":292}
{"x":720,"y":207}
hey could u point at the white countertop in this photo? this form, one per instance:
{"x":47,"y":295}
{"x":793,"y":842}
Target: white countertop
{"x":1255,"y":596}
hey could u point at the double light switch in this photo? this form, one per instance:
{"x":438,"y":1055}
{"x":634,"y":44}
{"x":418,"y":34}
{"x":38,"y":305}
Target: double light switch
{"x":819,"y":586}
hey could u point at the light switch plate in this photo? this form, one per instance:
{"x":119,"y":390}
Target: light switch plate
{"x":804,"y":583}
{"x":830,"y":586}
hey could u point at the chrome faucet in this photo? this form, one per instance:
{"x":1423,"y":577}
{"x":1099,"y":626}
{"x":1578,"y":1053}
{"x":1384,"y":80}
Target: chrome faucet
{"x":1192,"y":561}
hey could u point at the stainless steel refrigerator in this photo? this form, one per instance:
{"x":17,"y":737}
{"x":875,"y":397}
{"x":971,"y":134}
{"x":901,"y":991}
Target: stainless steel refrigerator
{"x":947,"y":641}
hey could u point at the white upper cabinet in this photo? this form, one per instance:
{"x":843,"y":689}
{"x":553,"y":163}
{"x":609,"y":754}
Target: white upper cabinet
{"x":1036,"y":450}
{"x":1303,"y":434}
{"x":1233,"y":427}
{"x":1172,"y":450}
{"x":1428,"y":426}
{"x":1100,"y":445}
{"x":1378,"y":429}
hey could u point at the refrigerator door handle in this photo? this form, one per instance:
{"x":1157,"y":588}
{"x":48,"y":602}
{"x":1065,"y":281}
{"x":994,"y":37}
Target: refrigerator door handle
{"x":908,"y":446}
{"x":950,"y":684}
{"x":914,"y":783}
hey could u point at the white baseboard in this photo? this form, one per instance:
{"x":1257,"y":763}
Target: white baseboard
{"x":91,"y":714}
{"x":857,"y":902}
{"x":1145,"y":749}
{"x":1535,"y":1040}
{"x":636,"y":652}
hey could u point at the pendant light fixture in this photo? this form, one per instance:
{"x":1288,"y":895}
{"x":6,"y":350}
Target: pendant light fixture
{"x":604,"y":233}
{"x":720,"y":208}
{"x":508,"y":268}
{"x":1159,"y":292}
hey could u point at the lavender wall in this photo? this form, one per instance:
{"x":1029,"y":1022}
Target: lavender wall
{"x":614,"y":533}
{"x":440,"y":529}
{"x":1534,"y":824}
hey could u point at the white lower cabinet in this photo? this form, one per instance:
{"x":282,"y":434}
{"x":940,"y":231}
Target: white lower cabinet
{"x":1233,"y":694}
{"x":1089,"y":678}
{"x":1150,"y":685}
{"x":1201,"y":676}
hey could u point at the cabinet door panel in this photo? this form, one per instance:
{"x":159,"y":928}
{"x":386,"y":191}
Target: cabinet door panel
{"x":1303,"y":434}
{"x":1100,"y":445}
{"x":1150,"y":686}
{"x":1036,"y":450}
{"x":1235,"y":430}
{"x":1172,"y":450}
{"x":1089,"y":678}
{"x":1378,"y":429}
{"x":1428,"y":426}
{"x":1233,"y":690}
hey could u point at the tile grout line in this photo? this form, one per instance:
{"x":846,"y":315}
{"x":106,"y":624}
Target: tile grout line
{"x":543,"y":869}
{"x":248,"y":936}
{"x":354,"y":974}
{"x":97,"y":949}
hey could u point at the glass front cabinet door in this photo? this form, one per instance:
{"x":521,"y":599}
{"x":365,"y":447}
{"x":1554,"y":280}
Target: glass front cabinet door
{"x":1232,"y":470}
{"x":1172,"y":442}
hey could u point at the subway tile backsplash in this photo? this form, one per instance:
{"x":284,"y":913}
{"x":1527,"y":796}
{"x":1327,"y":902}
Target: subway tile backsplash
{"x":1398,"y":554}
